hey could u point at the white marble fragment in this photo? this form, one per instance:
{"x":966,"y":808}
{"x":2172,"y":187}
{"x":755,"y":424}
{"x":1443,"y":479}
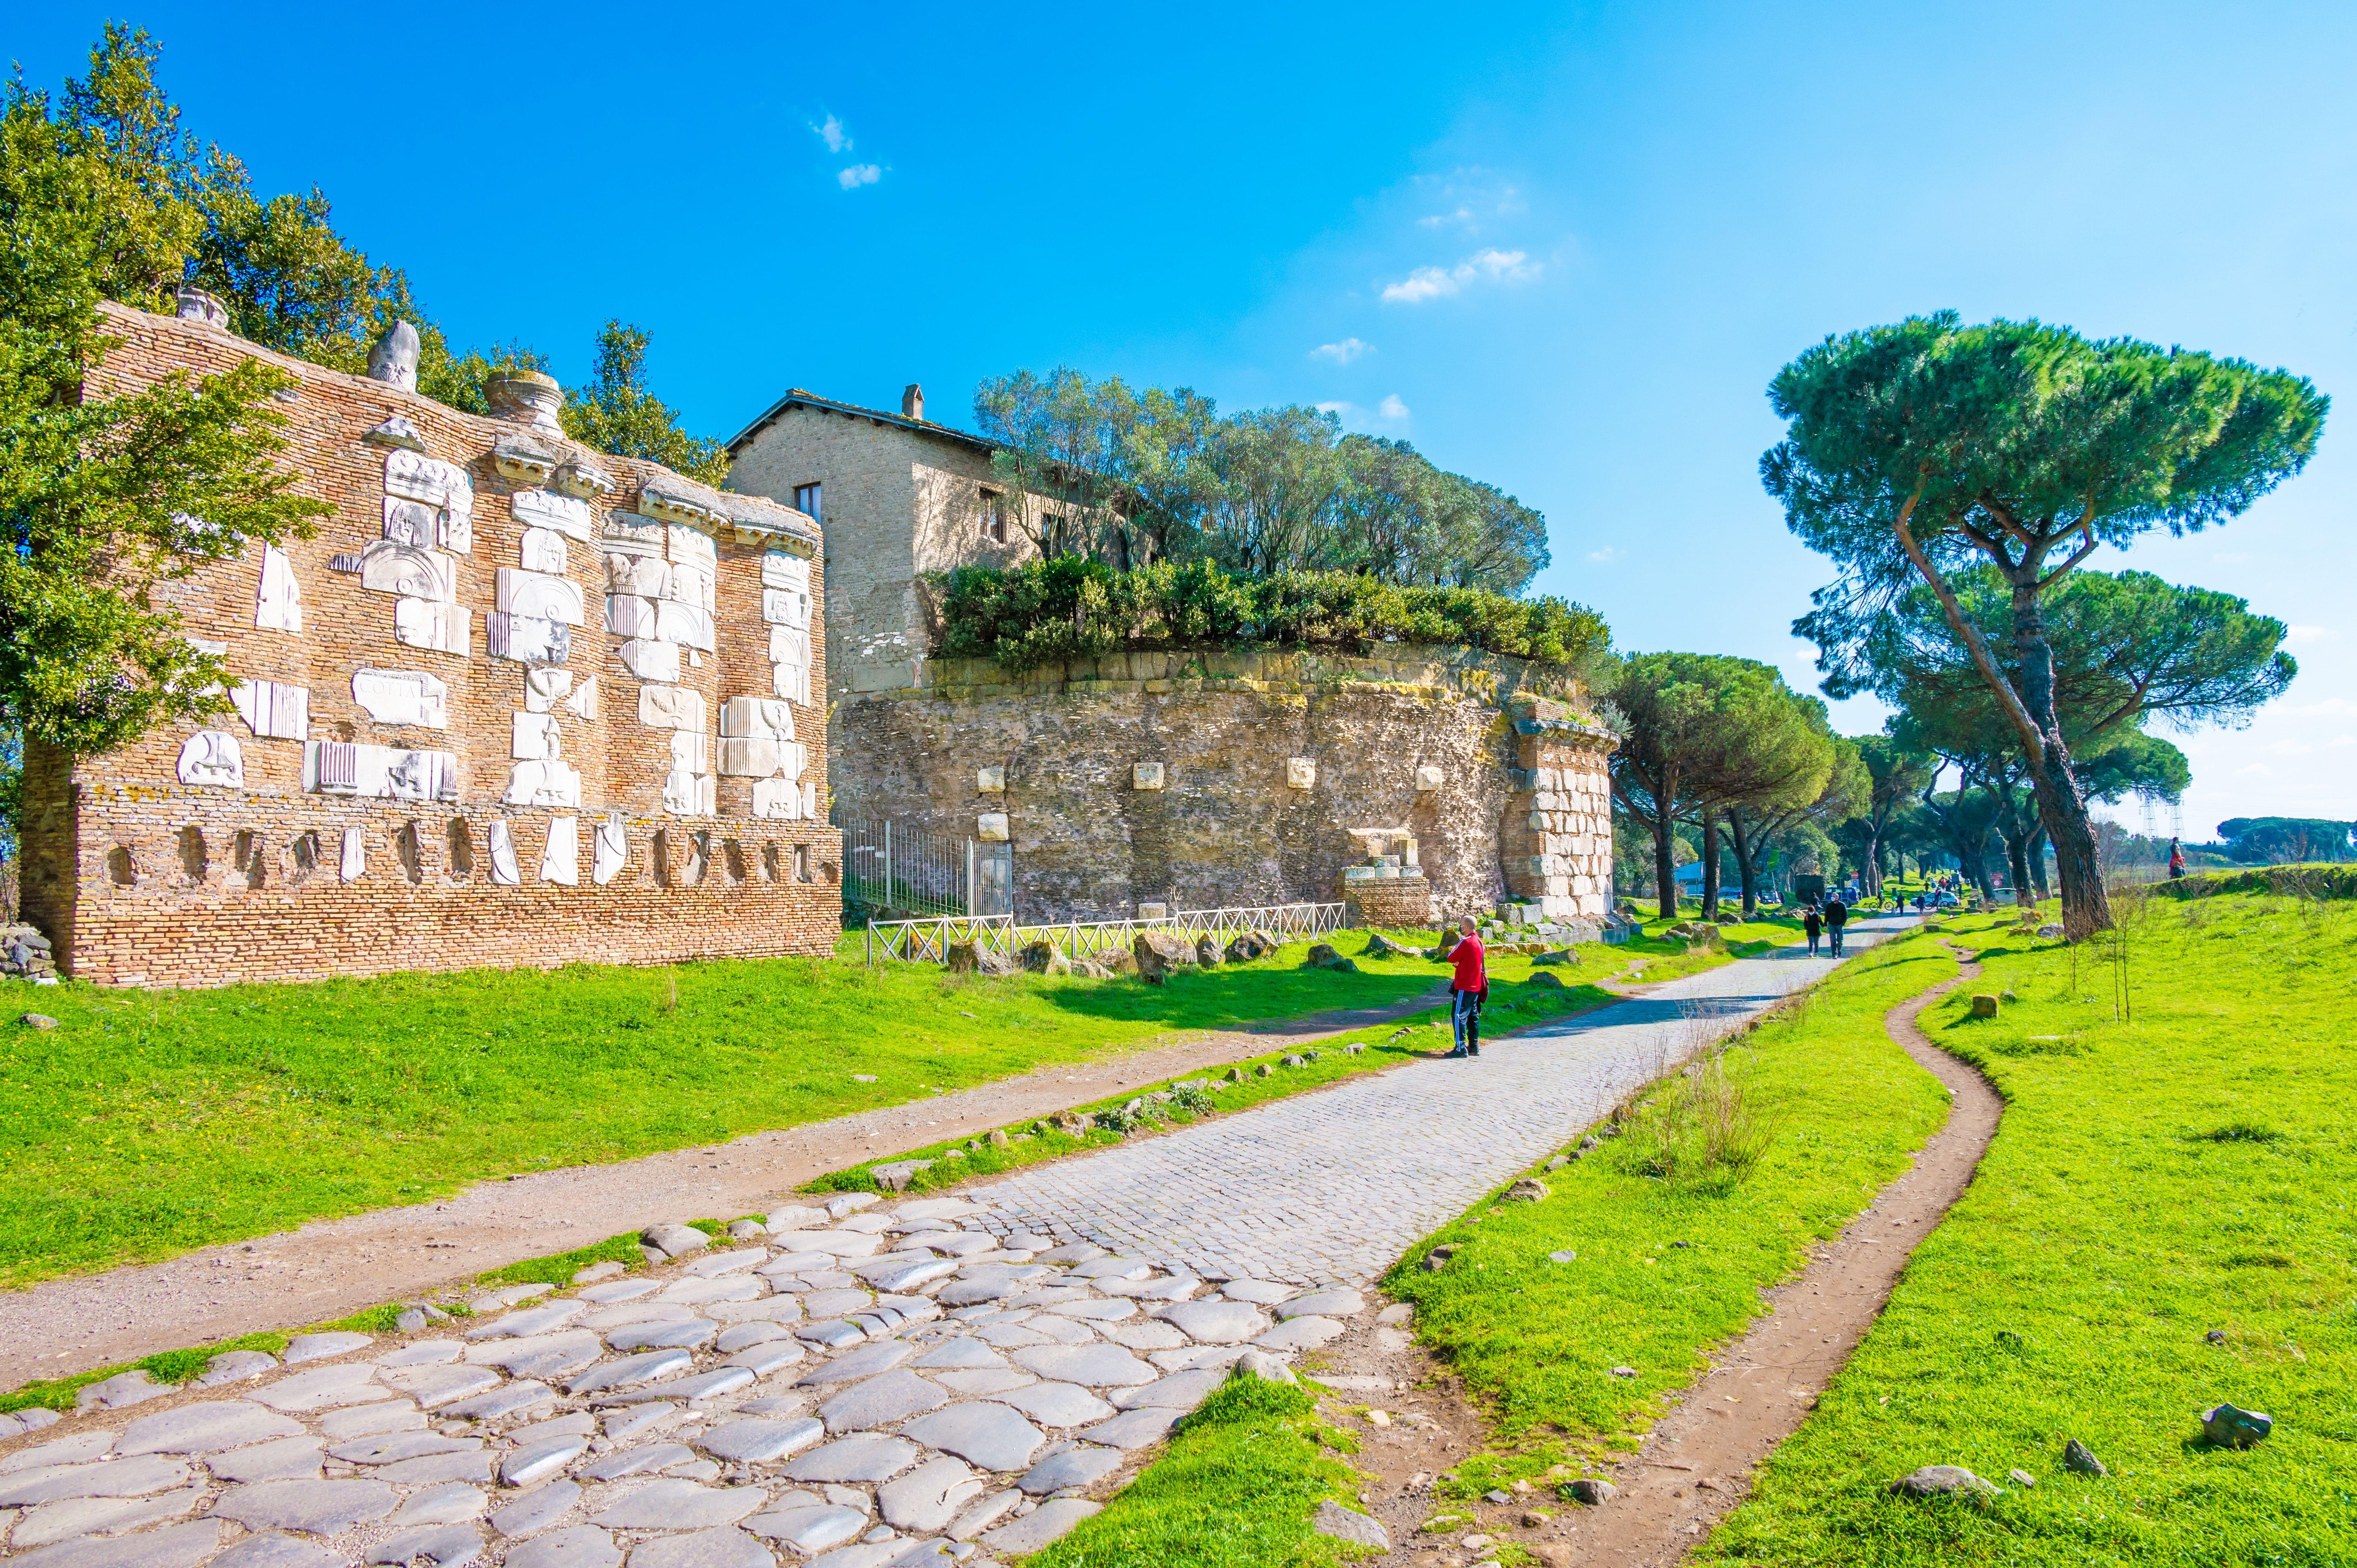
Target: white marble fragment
{"x":689,"y":585}
{"x":353,"y":864}
{"x":567,"y":515}
{"x":535,"y":738}
{"x":561,"y":861}
{"x":529,"y":639}
{"x":1301,"y":772}
{"x":544,"y":689}
{"x":272,"y":709}
{"x":524,"y":593}
{"x":443,"y":628}
{"x":613,"y":850}
{"x":628,"y":533}
{"x":991,"y":827}
{"x":629,"y":615}
{"x":786,"y":606}
{"x":688,"y":625}
{"x":211,"y":757}
{"x":543,"y":550}
{"x":687,"y":795}
{"x":279,"y":598}
{"x":671,"y":707}
{"x":780,"y":570}
{"x":777,"y":800}
{"x":644,"y":576}
{"x":695,"y":547}
{"x":543,"y":783}
{"x":390,"y":567}
{"x":583,"y":704}
{"x":504,"y":870}
{"x":691,"y":749}
{"x":757,"y":718}
{"x":652,"y":661}
{"x":749,"y":758}
{"x":402,"y":697}
{"x":413,"y":475}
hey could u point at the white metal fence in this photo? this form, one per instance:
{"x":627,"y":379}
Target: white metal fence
{"x":927,"y":941}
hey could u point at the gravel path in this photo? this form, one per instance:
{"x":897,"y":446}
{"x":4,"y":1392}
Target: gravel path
{"x":1330,"y":1188}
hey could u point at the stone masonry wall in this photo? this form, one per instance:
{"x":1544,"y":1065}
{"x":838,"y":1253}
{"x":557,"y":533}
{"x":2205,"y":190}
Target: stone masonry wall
{"x":1266,"y":762}
{"x":432,"y":767}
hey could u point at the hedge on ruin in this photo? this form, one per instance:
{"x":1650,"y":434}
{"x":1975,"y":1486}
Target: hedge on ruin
{"x":1051,"y":612}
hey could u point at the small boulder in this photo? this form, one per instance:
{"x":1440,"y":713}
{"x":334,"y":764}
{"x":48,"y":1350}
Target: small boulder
{"x":1207,"y":952}
{"x":1545,"y":980}
{"x":1262,"y":1365}
{"x":895,"y":1176}
{"x":1564,"y":957}
{"x":674,"y":1241}
{"x":1940,"y":1480}
{"x":998,"y":1137}
{"x":2228,"y":1427}
{"x":1237,"y":1075}
{"x":974,"y":958}
{"x":1984,"y":1006}
{"x":1117,"y":963}
{"x":2076,"y":1455}
{"x":1043,"y":957}
{"x":1379,"y":946}
{"x":1590,"y":1491}
{"x":1091,"y":968}
{"x":1332,"y":1518}
{"x":2021,"y":1479}
{"x":1530,"y":1189}
{"x":1248,"y":946}
{"x":2215,"y":1336}
{"x":39,"y":1021}
{"x":1323,"y":956}
{"x":2051,"y":929}
{"x":1158,"y":953}
{"x":1290,"y":1059}
{"x":1437,"y":1259}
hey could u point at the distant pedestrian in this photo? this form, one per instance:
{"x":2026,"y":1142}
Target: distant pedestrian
{"x":1836,"y":917}
{"x":2176,"y":860}
{"x":1468,"y":989}
{"x":1813,"y":924}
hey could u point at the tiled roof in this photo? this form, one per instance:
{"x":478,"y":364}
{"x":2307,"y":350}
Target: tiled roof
{"x":797,"y":397}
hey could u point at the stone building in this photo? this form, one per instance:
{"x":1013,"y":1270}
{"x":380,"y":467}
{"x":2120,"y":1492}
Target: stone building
{"x":514,"y":702}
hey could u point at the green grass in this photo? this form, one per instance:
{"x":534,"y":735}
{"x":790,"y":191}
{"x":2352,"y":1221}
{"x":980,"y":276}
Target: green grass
{"x":2151,"y":1181}
{"x":1236,"y":1489}
{"x":1666,"y":1268}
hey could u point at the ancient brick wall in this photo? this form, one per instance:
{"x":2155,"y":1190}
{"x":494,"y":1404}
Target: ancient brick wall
{"x":514,"y":703}
{"x":1224,"y":779}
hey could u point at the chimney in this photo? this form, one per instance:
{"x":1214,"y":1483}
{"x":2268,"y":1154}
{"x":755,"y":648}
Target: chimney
{"x":912,"y":402}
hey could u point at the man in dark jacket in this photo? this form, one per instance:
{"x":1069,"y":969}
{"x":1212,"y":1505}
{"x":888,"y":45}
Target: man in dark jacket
{"x":1836,"y":917}
{"x":1813,"y":923}
{"x":1468,"y":989}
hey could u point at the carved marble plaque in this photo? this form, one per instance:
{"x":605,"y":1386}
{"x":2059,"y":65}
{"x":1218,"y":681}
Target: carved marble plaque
{"x":272,"y":709}
{"x":630,"y":616}
{"x":764,"y":718}
{"x":687,"y":795}
{"x":523,"y":460}
{"x":211,"y":757}
{"x":742,"y":758}
{"x":444,"y":629}
{"x":388,"y":566}
{"x":810,"y":799}
{"x":685,"y":624}
{"x":695,"y":547}
{"x":790,"y":645}
{"x":561,"y":861}
{"x":1301,"y":772}
{"x":652,"y":661}
{"x":644,"y":576}
{"x":402,"y":697}
{"x":691,"y":749}
{"x":504,"y":869}
{"x":384,"y":772}
{"x":786,"y":606}
{"x":671,"y":707}
{"x":777,"y":799}
{"x":545,"y":783}
{"x":529,"y":639}
{"x":1427,"y":778}
{"x":537,"y":593}
{"x":412,"y":476}
{"x":279,"y":598}
{"x":792,"y":681}
{"x":535,"y":738}
{"x":569,"y":515}
{"x":353,"y":863}
{"x":628,"y":533}
{"x":780,"y":570}
{"x":412,"y":522}
{"x":543,"y":550}
{"x":613,"y":850}
{"x":583,"y":704}
{"x":544,"y":689}
{"x":689,"y":585}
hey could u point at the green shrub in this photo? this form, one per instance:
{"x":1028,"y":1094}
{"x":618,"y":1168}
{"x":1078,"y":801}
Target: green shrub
{"x":1049,"y":612}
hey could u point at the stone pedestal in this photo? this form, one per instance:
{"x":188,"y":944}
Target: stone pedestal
{"x":1556,"y":839}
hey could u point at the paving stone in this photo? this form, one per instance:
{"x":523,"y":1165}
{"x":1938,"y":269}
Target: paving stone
{"x":715,"y":1264}
{"x":669,"y":1503}
{"x":722,"y":1379}
{"x":1057,"y":1404}
{"x":503,"y":1401}
{"x":1344,"y":1524}
{"x":315,"y":1508}
{"x":635,"y":1461}
{"x":436,"y":1386}
{"x":454,"y":1502}
{"x":810,"y":1531}
{"x":1061,"y":1330}
{"x":544,"y":1319}
{"x":983,"y":1514}
{"x":235,"y":1367}
{"x":831,"y":1333}
{"x":1134,"y":1428}
{"x":639,"y":1312}
{"x":676,"y":1241}
{"x":1201,"y":1356}
{"x":444,"y":1545}
{"x":179,"y":1546}
{"x":992,"y":1435}
{"x":620,"y":1290}
{"x":133,"y":1478}
{"x":319,"y":1347}
{"x":359,"y":1421}
{"x":321,"y":1387}
{"x":423,"y":1353}
{"x":471,"y":1467}
{"x":80,"y":1448}
{"x":1113,"y":1268}
{"x":1011,"y":1336}
{"x":387,"y":1447}
{"x":692,"y":1332}
{"x":775,"y":1355}
{"x":204,"y":1428}
{"x":1096,"y":1311}
{"x":983,"y":1380}
{"x":1216,"y":1322}
{"x":99,"y":1516}
{"x":540,"y":1355}
{"x":270,"y":1550}
{"x":287,"y":1459}
{"x":639,"y":1369}
{"x":903,"y":1274}
{"x":768,"y":1309}
{"x":120,"y":1391}
{"x":695,"y":1292}
{"x":1264,"y":1292}
{"x":866,"y":1457}
{"x":1078,"y":1467}
{"x":1339,"y":1302}
{"x":1179,"y":1392}
{"x":864,"y":1362}
{"x":928,"y":1497}
{"x":879,"y":1556}
{"x":535,"y":1462}
{"x":881,"y":1401}
{"x":963,"y":1353}
{"x":1144,"y":1335}
{"x":743,"y":1335}
{"x":1047,"y":1522}
{"x":1076,"y":1252}
{"x":1096,"y":1366}
{"x":622,"y":1425}
{"x":962,"y":1244}
{"x":536,"y":1510}
{"x":1301,"y":1333}
{"x":760,"y":1440}
{"x":582,"y":1546}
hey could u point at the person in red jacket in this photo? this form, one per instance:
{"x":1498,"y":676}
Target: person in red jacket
{"x":1467,"y":989}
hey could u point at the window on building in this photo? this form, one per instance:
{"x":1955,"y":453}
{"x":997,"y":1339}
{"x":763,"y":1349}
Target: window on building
{"x":806,"y":499}
{"x":994,"y":517}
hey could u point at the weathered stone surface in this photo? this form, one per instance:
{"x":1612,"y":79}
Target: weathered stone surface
{"x":1078,"y":1467}
{"x":2228,"y":1427}
{"x":320,"y":1389}
{"x":235,"y":1367}
{"x":434,"y":1387}
{"x":862,"y":1458}
{"x":1158,"y":953}
{"x":109,"y":1478}
{"x":134,"y":1387}
{"x":760,"y":1441}
{"x":582,"y":1546}
{"x":1096,"y":1366}
{"x":182,"y":1546}
{"x":1133,"y":1428}
{"x":1300,"y":1333}
{"x":1056,"y":1404}
{"x":881,"y":1401}
{"x":319,"y":1347}
{"x":669,"y":1503}
{"x":1049,"y":1521}
{"x":444,"y":1545}
{"x":1340,"y":1303}
{"x":864,"y":1362}
{"x":454,"y":1502}
{"x":503,"y":1401}
{"x":536,"y":1510}
{"x":1591,"y":1491}
{"x":535,"y":1462}
{"x":928,"y":1497}
{"x":1216,"y":1322}
{"x":629,"y":1369}
{"x":674,"y":1241}
{"x":811,"y":1528}
{"x":205,"y":1428}
{"x":991,"y":1435}
{"x":315,"y":1508}
{"x":1332,"y":1518}
{"x":1266,"y":1368}
{"x":286,"y":1459}
{"x":635,"y":1461}
{"x":270,"y":1550}
{"x":1179,"y":1390}
{"x":96,"y":1516}
{"x":1935,"y":1480}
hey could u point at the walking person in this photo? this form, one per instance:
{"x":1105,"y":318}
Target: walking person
{"x":1468,"y":989}
{"x":1813,"y":924}
{"x":2176,"y":860}
{"x":1836,"y":917}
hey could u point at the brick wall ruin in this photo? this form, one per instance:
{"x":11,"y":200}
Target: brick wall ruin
{"x":514,"y":703}
{"x":1239,"y":778}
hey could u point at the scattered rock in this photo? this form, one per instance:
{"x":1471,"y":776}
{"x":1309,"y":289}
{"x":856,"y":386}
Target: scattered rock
{"x":1530,"y":1189}
{"x":1248,"y":946}
{"x":2052,"y":929}
{"x":1939,"y":1480}
{"x":1590,"y":1491}
{"x":1624,"y":1372}
{"x":895,"y":1175}
{"x":977,"y":958}
{"x":1984,"y":1006}
{"x":39,"y":1021}
{"x":1332,"y":1518}
{"x":1156,"y":953}
{"x":1323,"y":956}
{"x":2215,"y":1336}
{"x":1207,"y":952}
{"x":2228,"y":1427}
{"x":1437,"y":1259}
{"x":1290,"y":1059}
{"x":1557,"y":1163}
{"x":1043,"y":957}
{"x":1566,"y":957}
{"x":674,"y":1241}
{"x":2077,"y":1456}
{"x":1379,"y":946}
{"x":1565,"y":1256}
{"x":1262,"y":1365}
{"x":2021,"y":1479}
{"x":1545,"y":980}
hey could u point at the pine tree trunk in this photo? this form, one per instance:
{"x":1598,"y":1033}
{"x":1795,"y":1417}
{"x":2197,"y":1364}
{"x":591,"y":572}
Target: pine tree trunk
{"x":1743,"y":866}
{"x":1709,"y":866}
{"x":1665,"y":862}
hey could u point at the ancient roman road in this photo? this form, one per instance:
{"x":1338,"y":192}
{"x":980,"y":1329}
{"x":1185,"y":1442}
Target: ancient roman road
{"x":1330,"y":1188}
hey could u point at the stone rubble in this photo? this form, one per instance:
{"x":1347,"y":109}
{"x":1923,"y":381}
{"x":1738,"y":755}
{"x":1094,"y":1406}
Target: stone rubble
{"x":851,"y":1386}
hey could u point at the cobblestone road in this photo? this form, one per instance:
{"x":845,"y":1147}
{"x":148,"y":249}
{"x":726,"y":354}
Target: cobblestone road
{"x":1330,"y":1188}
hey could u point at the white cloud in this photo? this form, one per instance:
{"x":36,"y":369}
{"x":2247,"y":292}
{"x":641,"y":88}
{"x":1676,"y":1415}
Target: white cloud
{"x":2231,"y":557}
{"x":1462,"y":215}
{"x":858,"y":175}
{"x":1341,"y":353}
{"x":2300,"y":634}
{"x":2343,"y":740}
{"x":1354,"y":417}
{"x":836,"y":138}
{"x":1491,"y":265}
{"x":1608,"y":555}
{"x":2292,"y":748}
{"x":2331,"y":708}
{"x":2255,"y":771}
{"x":1392,"y":408}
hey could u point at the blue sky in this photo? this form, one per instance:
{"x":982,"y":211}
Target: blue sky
{"x":1561,"y":248}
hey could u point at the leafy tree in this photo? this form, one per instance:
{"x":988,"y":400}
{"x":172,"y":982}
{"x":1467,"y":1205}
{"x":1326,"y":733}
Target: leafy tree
{"x":105,"y":498}
{"x":2285,"y":840}
{"x":1896,"y":775}
{"x":1773,"y":759}
{"x":1916,"y":449}
{"x":615,"y":412}
{"x":1770,"y":823}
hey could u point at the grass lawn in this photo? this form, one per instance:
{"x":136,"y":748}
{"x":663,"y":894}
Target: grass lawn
{"x":1667,"y":1266}
{"x":2151,"y":1182}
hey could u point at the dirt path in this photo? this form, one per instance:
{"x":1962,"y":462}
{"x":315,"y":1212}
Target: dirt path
{"x":333,"y":1267}
{"x":1697,"y":1463}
